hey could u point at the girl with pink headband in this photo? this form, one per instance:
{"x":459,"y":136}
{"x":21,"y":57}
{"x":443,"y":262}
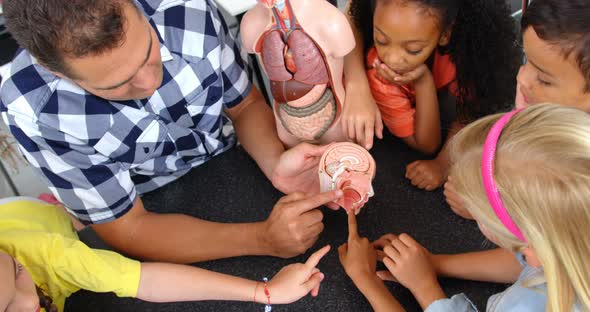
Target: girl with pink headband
{"x":525,"y":178}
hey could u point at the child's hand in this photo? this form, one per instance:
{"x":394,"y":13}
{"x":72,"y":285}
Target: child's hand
{"x":454,"y":201}
{"x":295,"y":281}
{"x":358,"y":257}
{"x":409,"y":263}
{"x":361,"y":119}
{"x":379,"y":244}
{"x":426,"y":174}
{"x":400,"y":79}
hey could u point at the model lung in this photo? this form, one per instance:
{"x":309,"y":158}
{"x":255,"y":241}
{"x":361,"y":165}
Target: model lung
{"x":295,"y":48}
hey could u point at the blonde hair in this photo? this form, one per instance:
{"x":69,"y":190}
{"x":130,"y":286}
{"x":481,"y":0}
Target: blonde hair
{"x":542,"y":172}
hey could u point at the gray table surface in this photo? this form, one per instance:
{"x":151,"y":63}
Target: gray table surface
{"x":231,"y":188}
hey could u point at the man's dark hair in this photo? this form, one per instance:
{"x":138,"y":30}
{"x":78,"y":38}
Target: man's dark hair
{"x":54,"y":29}
{"x":565,"y":24}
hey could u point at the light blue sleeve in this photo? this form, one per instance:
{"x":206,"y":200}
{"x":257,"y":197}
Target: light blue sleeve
{"x":520,"y":257}
{"x":457,"y":303}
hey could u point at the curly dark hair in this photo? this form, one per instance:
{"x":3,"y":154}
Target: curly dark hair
{"x":53,"y":29}
{"x":565,"y":24}
{"x":483,"y":46}
{"x":45,"y":301}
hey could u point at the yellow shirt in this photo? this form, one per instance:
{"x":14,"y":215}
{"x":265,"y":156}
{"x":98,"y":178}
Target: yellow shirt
{"x":41,"y":237}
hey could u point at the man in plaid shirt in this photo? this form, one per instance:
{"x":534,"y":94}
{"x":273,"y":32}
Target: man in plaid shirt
{"x":111,"y":99}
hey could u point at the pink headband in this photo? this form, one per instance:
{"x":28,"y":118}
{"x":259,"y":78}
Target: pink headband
{"x":487,"y":172}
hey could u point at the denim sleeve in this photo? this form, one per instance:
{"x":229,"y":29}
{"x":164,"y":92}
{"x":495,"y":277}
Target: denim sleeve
{"x":457,"y":303}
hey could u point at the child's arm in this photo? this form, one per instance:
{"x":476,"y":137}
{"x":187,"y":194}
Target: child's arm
{"x":427,"y":133}
{"x":496,"y":265}
{"x":431,"y":174}
{"x":359,"y":260}
{"x":410,"y":264}
{"x":377,"y":294}
{"x":361,"y":118}
{"x":161,"y":282}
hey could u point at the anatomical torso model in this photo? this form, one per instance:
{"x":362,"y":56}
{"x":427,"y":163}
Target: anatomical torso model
{"x":301,"y":44}
{"x":350,"y":168}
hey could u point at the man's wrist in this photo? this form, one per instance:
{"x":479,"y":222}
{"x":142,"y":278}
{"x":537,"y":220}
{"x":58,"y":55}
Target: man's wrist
{"x":271,"y":164}
{"x":262,"y":246}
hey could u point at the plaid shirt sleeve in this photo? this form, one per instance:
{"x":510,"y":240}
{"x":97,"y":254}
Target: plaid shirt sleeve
{"x":235,"y":71}
{"x":93,"y":187}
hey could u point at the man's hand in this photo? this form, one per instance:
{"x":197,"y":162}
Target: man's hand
{"x":297,"y":169}
{"x":295,"y":224}
{"x":358,"y":257}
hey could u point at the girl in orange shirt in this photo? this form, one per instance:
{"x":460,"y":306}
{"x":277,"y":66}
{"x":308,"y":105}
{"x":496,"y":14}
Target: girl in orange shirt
{"x":412,"y":49}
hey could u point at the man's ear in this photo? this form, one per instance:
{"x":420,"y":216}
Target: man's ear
{"x":445,"y":37}
{"x":531,"y":257}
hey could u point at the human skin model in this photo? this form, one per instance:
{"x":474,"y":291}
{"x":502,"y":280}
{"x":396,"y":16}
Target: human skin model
{"x":350,"y":168}
{"x":302,"y":44}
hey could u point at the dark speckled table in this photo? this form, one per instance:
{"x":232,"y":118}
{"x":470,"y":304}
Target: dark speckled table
{"x":231,"y":188}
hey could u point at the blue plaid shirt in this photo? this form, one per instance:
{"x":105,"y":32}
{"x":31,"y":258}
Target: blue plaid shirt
{"x":98,"y":155}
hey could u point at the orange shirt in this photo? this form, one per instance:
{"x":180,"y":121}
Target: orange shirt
{"x":396,"y":102}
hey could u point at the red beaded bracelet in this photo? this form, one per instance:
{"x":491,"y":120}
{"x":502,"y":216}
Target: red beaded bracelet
{"x":267,"y":308}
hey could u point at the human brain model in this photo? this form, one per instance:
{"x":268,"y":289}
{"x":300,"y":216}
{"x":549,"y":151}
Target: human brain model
{"x":350,"y":168}
{"x":301,"y":44}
